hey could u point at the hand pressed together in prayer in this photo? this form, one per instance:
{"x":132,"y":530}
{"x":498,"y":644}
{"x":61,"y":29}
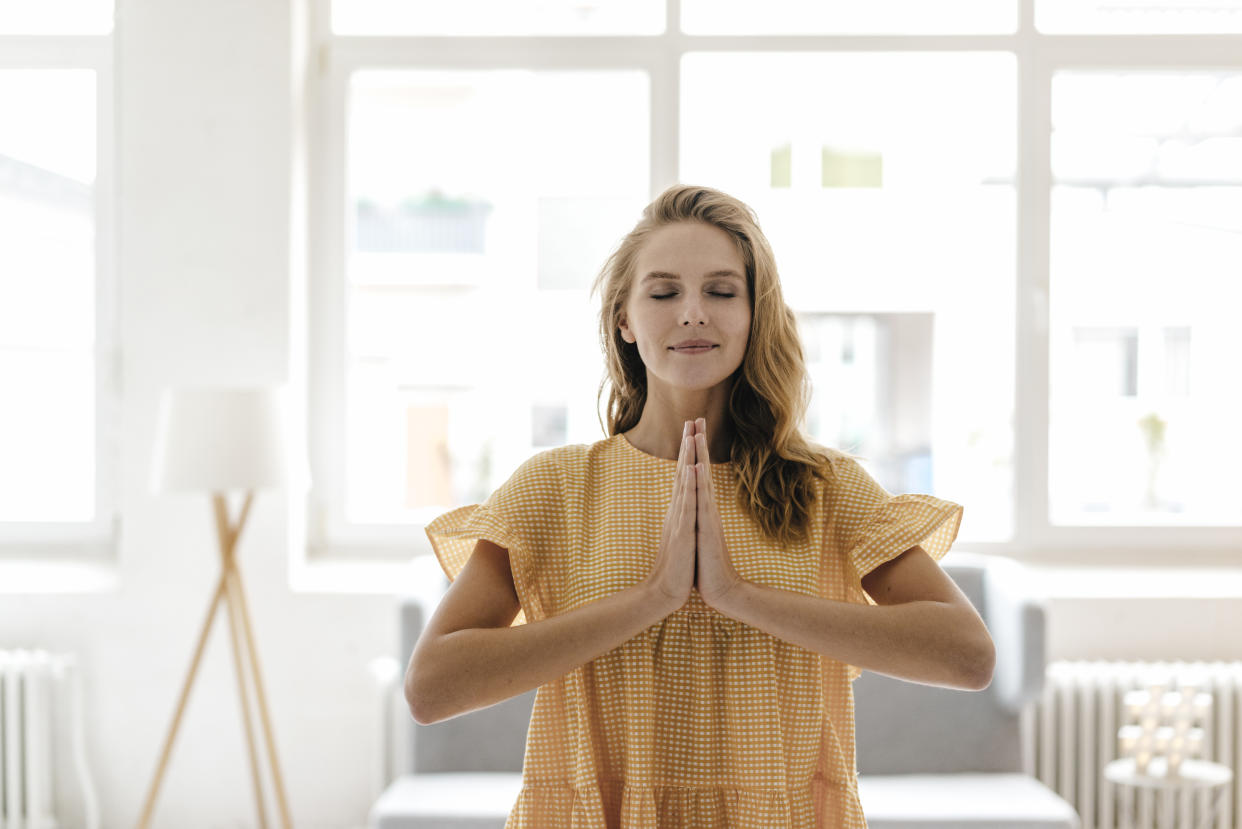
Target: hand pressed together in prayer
{"x":714,"y":575}
{"x":692,"y":552}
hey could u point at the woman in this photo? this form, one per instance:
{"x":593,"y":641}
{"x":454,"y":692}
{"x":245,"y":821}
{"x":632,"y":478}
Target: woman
{"x":693,"y":595}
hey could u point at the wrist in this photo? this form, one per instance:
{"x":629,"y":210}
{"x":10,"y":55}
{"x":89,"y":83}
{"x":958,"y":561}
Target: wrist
{"x":723,"y":599}
{"x":660,"y":603}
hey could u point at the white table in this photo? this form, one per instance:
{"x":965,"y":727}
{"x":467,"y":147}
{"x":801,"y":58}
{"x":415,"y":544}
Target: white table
{"x":1193,"y":776}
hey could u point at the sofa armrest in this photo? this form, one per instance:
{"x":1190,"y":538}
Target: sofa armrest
{"x":1015,"y":616}
{"x":389,"y":705}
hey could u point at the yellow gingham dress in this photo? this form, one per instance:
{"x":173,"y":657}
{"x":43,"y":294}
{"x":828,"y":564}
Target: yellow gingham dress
{"x":700,"y":720}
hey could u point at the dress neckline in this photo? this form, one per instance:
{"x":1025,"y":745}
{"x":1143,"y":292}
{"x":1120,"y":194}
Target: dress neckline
{"x":634,"y":450}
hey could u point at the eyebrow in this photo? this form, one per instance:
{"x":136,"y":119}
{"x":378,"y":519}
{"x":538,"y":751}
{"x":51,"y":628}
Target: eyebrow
{"x":666,"y":275}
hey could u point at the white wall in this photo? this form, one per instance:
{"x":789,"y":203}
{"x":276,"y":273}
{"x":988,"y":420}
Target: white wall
{"x":210,"y":263}
{"x":206,"y":132}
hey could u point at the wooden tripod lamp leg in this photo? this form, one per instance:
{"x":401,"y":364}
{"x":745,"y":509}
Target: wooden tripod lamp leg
{"x":238,"y":600}
{"x":229,"y":589}
{"x":145,"y":819}
{"x":230,"y":600}
{"x":239,"y":597}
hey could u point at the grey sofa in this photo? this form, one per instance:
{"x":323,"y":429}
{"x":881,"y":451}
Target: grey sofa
{"x":927,"y":756}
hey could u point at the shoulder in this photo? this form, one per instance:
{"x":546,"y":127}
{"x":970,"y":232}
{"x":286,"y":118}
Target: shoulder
{"x":554,"y":463}
{"x":845,"y":477}
{"x":539,"y":484}
{"x":837,"y":461}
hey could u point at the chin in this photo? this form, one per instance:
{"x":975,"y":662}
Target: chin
{"x":697,"y":383}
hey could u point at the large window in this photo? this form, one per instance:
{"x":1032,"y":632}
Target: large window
{"x":1145,"y":283}
{"x":479,"y":203}
{"x":1009,"y":231}
{"x":58,"y":386}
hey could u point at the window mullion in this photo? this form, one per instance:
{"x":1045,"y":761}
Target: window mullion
{"x":109,"y":445}
{"x":1031,"y":389}
{"x":328,"y":294}
{"x":665,"y":74}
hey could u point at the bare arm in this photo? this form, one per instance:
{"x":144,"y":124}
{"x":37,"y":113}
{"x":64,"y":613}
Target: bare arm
{"x":926,"y":632}
{"x":928,"y":642}
{"x":469,"y":658}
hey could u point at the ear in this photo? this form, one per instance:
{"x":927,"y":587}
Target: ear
{"x":625,"y":330}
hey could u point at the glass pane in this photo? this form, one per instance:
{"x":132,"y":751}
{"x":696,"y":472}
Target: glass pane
{"x":47,"y":436}
{"x":789,"y":17}
{"x":1146,"y":250}
{"x":498,"y":17}
{"x":47,"y":295}
{"x":56,"y":17}
{"x":482,"y":205}
{"x":47,"y":208}
{"x":1139,"y":16}
{"x":889,"y":201}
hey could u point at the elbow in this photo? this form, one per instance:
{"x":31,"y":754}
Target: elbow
{"x":986,"y":666}
{"x":417,"y":712}
{"x":416,"y":700}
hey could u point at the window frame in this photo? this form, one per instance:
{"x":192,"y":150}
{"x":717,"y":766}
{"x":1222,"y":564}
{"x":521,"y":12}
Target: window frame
{"x":1038,"y":55}
{"x":97,"y":541}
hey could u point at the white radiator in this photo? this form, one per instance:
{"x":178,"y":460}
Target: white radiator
{"x":32,"y":686}
{"x":1070,"y":734}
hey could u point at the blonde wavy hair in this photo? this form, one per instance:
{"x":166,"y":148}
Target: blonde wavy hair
{"x":776,"y":465}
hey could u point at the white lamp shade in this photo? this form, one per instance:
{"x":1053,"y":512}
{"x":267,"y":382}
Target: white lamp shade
{"x":222,"y":439}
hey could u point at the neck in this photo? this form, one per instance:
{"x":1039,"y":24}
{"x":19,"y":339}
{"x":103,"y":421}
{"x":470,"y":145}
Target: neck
{"x":661,"y":435}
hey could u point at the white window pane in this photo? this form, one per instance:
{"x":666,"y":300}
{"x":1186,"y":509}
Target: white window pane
{"x":498,"y":17}
{"x":56,"y":17}
{"x":47,"y":436}
{"x":47,"y":301}
{"x":888,"y":197}
{"x":449,"y":171}
{"x":550,"y":424}
{"x":742,"y":17}
{"x":1138,"y":16}
{"x":483,"y":204}
{"x":47,"y":211}
{"x":878,"y":368}
{"x":1146,"y":247}
{"x":1177,"y":361}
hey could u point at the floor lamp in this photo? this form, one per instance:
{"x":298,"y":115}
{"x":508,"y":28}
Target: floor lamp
{"x":216,"y":440}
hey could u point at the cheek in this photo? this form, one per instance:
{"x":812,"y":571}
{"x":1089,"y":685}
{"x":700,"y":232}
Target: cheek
{"x":741,"y":327}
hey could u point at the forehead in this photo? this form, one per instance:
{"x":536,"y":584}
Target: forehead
{"x":689,"y":250}
{"x":652,"y":276}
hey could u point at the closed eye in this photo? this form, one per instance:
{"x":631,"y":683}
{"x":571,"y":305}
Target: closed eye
{"x":666,"y":296}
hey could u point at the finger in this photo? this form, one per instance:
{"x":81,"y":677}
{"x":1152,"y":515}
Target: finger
{"x":700,"y":491}
{"x":687,"y":500}
{"x":681,"y":458}
{"x":687,"y":441}
{"x":700,"y":440}
{"x":702,"y":504}
{"x":683,"y":475}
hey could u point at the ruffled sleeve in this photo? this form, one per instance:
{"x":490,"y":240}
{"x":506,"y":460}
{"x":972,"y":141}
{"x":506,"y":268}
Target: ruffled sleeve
{"x":873,"y":526}
{"x":506,"y":518}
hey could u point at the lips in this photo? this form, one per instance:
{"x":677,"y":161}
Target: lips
{"x":693,"y":344}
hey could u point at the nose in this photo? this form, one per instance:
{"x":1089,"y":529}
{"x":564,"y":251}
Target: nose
{"x":692,"y":312}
